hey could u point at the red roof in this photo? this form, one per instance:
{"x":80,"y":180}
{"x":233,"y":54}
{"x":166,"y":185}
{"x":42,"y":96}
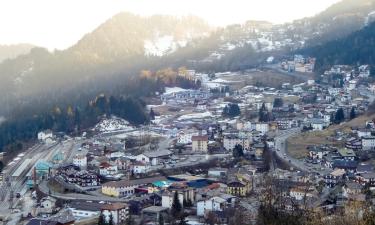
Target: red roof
{"x":199,"y":138}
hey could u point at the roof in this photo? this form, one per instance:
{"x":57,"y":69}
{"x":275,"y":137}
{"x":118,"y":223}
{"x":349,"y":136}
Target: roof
{"x":86,"y":206}
{"x":155,"y":209}
{"x":338,"y":172}
{"x":35,"y":221}
{"x":126,"y":183}
{"x":155,"y":154}
{"x":199,"y":138}
{"x":114,"y":206}
{"x":345,"y":152}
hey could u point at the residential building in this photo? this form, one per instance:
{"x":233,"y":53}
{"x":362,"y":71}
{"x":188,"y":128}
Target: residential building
{"x":200,"y":143}
{"x":80,"y":161}
{"x":127,"y":187}
{"x":118,"y":211}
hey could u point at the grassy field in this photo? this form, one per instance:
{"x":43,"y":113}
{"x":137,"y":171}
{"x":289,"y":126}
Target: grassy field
{"x":297,"y":145}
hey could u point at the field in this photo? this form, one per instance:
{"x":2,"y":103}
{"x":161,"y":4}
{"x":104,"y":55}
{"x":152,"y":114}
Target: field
{"x":297,"y":145}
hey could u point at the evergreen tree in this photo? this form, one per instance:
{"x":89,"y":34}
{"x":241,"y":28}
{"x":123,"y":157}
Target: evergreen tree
{"x":278,"y":102}
{"x":339,"y":117}
{"x":101,"y":220}
{"x":152,"y":114}
{"x":353,"y":113}
{"x":111,"y":222}
{"x":161,"y":220}
{"x":176,"y":206}
{"x":238,"y":151}
{"x":263,"y":114}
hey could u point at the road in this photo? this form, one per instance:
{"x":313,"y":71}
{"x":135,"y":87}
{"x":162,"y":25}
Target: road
{"x":281,"y":151}
{"x":276,"y":68}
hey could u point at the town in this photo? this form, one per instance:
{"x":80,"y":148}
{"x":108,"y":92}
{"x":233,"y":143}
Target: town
{"x":209,"y":155}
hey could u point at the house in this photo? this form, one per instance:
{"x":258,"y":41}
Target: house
{"x":84,"y":209}
{"x":107,"y":169}
{"x":332,"y":179}
{"x":262,"y":127}
{"x":127,"y":187}
{"x":46,"y":136}
{"x":118,"y":211}
{"x":368,"y":142}
{"x":122,"y":163}
{"x":140,"y":168}
{"x":80,"y":161}
{"x":153,"y":158}
{"x":230,"y":141}
{"x":185,"y":136}
{"x":211,"y":204}
{"x":367,"y":179}
{"x":47,"y":205}
{"x":167,"y":199}
{"x":300,"y":193}
{"x":217,"y":172}
{"x":351,"y":188}
{"x":200,"y":143}
{"x":237,"y":188}
{"x":347,"y":154}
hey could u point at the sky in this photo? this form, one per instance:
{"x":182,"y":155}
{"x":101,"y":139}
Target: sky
{"x":58,"y":24}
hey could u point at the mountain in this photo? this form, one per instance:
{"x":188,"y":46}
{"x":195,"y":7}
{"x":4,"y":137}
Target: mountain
{"x":12,"y":51}
{"x":102,"y":61}
{"x":341,"y":19}
{"x":111,"y":55}
{"x":355,"y":49}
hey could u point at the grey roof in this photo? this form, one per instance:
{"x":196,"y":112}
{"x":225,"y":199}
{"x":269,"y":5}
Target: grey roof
{"x":155,"y":154}
{"x":86,"y":206}
{"x":155,"y":209}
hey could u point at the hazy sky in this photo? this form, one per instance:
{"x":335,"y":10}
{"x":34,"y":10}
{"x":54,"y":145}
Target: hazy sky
{"x":61,"y":23}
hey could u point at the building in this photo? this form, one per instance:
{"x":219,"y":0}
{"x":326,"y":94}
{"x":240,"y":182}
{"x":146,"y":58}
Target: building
{"x":230,"y":141}
{"x":200,"y":143}
{"x":237,"y":188}
{"x":46,"y":136}
{"x":118,"y":211}
{"x":368,"y":142}
{"x":185,"y":137}
{"x":127,"y":187}
{"x":167,"y":199}
{"x":85,"y":209}
{"x":140,"y":168}
{"x":153,"y":158}
{"x":217,"y":172}
{"x":211,"y":204}
{"x":73,"y":175}
{"x":107,"y":169}
{"x":153,"y":214}
{"x":80,"y":161}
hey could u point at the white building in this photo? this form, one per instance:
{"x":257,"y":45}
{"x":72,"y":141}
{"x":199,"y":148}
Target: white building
{"x":118,"y":211}
{"x":167,"y":199}
{"x":184,"y":137}
{"x":368,"y":142}
{"x":153,"y":158}
{"x":140,"y":168}
{"x":212,"y":204}
{"x":107,"y":169}
{"x":231,"y":141}
{"x":80,"y":160}
{"x":262,"y":127}
{"x":46,"y":136}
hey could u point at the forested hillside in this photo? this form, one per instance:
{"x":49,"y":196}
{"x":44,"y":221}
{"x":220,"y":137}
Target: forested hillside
{"x":357,"y":48}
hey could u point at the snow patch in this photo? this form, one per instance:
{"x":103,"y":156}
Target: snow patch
{"x":162,"y":45}
{"x":195,"y":116}
{"x":172,"y":90}
{"x":113,"y":124}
